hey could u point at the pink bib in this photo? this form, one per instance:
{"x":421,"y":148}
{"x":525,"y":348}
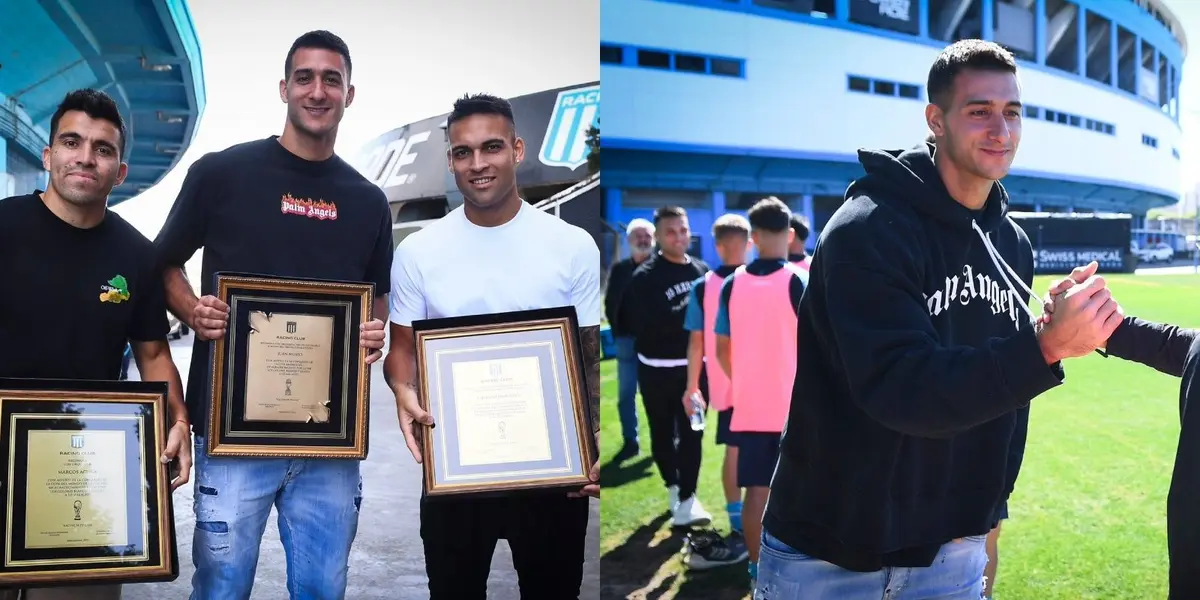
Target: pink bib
{"x":762,"y":324}
{"x":718,"y":382}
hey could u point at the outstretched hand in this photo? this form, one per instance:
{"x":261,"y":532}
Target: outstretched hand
{"x":1078,"y":276}
{"x":1079,"y":315}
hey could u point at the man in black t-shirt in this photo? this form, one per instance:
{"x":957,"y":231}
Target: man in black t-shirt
{"x":254,"y":209}
{"x":84,"y":282}
{"x":657,"y":302}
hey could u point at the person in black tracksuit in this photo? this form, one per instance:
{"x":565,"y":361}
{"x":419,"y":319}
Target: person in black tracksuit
{"x":1175,"y":351}
{"x":656,"y":302}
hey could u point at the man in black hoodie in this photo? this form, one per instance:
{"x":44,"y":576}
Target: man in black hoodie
{"x":917,"y":359}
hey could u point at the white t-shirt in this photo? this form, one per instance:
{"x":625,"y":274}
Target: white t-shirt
{"x":454,"y":268}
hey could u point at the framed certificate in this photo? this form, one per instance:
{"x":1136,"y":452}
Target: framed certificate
{"x":508,"y":398}
{"x":86,"y":499}
{"x":289,"y":379}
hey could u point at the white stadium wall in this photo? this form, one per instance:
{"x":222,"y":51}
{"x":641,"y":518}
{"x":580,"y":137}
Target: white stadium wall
{"x":794,"y":97}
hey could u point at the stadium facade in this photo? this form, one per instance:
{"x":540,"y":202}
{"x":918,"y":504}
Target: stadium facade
{"x":410,"y":163}
{"x":143,"y":53}
{"x":716,"y":103}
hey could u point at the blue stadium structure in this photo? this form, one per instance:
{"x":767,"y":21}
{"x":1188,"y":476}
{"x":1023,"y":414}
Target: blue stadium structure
{"x":712,"y":104}
{"x":144,"y":53}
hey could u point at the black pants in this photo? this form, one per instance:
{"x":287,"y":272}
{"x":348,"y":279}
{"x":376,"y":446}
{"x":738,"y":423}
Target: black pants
{"x":662,"y":394}
{"x":545,"y":533}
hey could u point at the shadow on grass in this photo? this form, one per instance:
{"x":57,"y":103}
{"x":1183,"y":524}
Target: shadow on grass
{"x":614,"y":475}
{"x":629,"y":570}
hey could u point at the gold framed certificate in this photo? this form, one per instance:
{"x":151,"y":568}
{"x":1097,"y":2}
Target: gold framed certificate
{"x":508,"y":396}
{"x":86,"y":499}
{"x":289,"y":379}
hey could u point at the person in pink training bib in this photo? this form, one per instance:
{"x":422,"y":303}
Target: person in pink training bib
{"x":756,"y":345}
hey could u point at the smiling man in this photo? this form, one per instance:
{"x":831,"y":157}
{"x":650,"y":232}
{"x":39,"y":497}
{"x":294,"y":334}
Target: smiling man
{"x":917,"y":359}
{"x":285,"y":206}
{"x":463,"y":264}
{"x":87,"y":281}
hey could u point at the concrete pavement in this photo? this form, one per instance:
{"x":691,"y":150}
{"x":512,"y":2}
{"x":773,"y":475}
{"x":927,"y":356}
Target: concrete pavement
{"x":386,"y":562}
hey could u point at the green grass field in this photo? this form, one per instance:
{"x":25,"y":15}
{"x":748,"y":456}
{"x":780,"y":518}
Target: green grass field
{"x":1087,"y":519}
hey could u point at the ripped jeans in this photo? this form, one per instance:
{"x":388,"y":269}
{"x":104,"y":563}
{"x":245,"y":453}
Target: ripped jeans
{"x":318,"y":503}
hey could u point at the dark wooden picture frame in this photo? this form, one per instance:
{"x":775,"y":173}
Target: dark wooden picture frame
{"x":133,"y":412}
{"x":344,"y":434}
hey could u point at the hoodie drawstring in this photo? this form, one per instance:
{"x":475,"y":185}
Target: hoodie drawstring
{"x":998,"y":261}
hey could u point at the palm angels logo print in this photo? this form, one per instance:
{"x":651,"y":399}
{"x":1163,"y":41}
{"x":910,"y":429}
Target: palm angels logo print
{"x":962,"y":289}
{"x":313,"y":209}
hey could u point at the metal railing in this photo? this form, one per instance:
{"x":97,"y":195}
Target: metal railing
{"x":14,"y":128}
{"x":553,"y":203}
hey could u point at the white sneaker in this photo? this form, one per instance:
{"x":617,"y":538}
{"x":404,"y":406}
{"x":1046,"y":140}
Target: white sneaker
{"x":672,"y":498}
{"x":690,"y":513}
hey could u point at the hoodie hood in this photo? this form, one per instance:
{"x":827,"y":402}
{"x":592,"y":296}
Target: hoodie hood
{"x":910,"y":176}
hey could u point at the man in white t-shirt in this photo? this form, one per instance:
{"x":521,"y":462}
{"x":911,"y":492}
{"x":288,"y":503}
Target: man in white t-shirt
{"x":495,"y":253}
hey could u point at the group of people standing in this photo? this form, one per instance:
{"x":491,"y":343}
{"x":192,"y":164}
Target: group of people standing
{"x":63,"y":244}
{"x":682,"y":331}
{"x":883,"y":465}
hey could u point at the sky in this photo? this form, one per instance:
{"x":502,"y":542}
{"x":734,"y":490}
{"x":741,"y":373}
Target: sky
{"x":411,"y":60}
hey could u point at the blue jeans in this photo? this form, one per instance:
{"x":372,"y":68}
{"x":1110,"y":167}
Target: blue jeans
{"x":956,"y":574}
{"x":627,"y":374}
{"x":318,"y":503}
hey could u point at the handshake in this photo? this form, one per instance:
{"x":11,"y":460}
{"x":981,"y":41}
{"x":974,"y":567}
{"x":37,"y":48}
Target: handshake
{"x":1084,"y":316}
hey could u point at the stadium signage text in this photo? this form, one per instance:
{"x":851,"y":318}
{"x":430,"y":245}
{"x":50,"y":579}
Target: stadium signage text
{"x":894,"y":15}
{"x":1065,"y":259}
{"x":386,"y":165}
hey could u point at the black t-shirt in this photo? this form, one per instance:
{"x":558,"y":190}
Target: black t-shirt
{"x":258,"y":208}
{"x":657,"y":301}
{"x":74,"y":296}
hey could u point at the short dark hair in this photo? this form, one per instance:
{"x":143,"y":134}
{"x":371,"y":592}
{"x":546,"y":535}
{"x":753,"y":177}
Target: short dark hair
{"x":321,"y":40}
{"x":800,"y":227}
{"x":481,"y":104}
{"x":668,"y":212}
{"x":97,"y":105}
{"x":770,"y":214}
{"x":962,"y":56}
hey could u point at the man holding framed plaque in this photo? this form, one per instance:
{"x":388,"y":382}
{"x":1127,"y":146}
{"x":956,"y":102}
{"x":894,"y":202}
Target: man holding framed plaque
{"x":464,"y":267}
{"x":288,"y":208}
{"x":87,"y":286}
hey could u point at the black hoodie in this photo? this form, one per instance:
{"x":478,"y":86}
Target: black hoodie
{"x":916,"y":364}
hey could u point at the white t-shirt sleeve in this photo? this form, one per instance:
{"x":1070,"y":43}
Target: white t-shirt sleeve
{"x":585,"y":289}
{"x":407,"y":300}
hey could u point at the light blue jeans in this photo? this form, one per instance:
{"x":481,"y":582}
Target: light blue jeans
{"x":318,"y":503}
{"x":627,"y":384}
{"x":786,"y":574}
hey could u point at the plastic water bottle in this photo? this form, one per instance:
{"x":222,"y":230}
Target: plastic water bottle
{"x":697,"y":417}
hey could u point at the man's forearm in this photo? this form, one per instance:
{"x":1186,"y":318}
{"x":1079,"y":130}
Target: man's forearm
{"x":159,"y":367}
{"x":400,"y":364}
{"x":695,"y":358}
{"x":181,"y":298}
{"x":590,"y":338}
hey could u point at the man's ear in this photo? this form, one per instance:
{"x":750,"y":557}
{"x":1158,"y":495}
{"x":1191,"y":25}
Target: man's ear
{"x":935,"y":119}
